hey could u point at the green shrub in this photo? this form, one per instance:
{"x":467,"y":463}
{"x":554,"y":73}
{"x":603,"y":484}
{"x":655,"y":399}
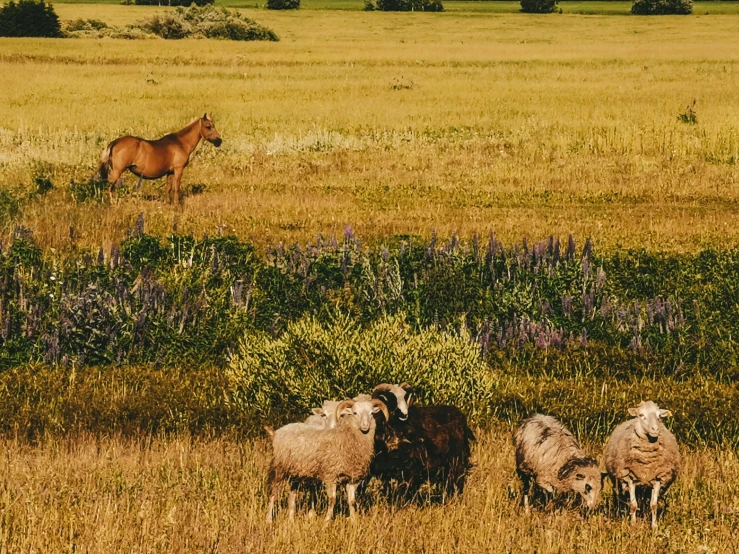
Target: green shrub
{"x":283,"y":4}
{"x":284,"y":377}
{"x":85,"y":25}
{"x":662,"y":7}
{"x":29,"y":18}
{"x":185,"y":3}
{"x":538,"y":6}
{"x":405,"y":5}
{"x":206,"y":22}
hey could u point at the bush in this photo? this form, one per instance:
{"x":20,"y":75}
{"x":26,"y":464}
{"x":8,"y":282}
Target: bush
{"x":206,"y":22}
{"x":284,"y":377}
{"x":405,"y":5}
{"x":538,"y":6}
{"x":283,"y":4}
{"x":662,"y":7}
{"x":185,"y":3}
{"x":28,"y":18}
{"x":85,"y":25}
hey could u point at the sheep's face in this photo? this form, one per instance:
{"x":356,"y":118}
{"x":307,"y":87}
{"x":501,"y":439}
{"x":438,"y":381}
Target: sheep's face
{"x":584,"y":477}
{"x":398,"y":398}
{"x":647,"y":416}
{"x":327,"y":413}
{"x":362,"y":410}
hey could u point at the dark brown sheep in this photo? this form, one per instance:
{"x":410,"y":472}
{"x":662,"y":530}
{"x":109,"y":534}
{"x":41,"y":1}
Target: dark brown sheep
{"x":432,"y":443}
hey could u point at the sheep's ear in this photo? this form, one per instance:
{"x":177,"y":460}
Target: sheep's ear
{"x":633,"y":412}
{"x":665,"y":413}
{"x":318,"y":411}
{"x":206,"y":117}
{"x":346,"y":411}
{"x":375,"y":409}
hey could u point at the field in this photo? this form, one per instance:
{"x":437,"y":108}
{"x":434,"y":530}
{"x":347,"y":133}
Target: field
{"x":185,"y":495}
{"x":394,"y":123}
{"x":420,"y":162}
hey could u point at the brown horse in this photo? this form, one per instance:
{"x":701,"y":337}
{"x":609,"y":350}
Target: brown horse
{"x":153,"y":159}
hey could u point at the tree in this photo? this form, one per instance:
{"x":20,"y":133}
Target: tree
{"x":28,"y":18}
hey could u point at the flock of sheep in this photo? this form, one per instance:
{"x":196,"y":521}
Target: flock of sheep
{"x":384,"y":435}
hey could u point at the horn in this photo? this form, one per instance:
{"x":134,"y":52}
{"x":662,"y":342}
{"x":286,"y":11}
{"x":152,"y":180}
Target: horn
{"x":343,"y":404}
{"x":405,"y":385}
{"x":380,"y":404}
{"x":381,"y":386}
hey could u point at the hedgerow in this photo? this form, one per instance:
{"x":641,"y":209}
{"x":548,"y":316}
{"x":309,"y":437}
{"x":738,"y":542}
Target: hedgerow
{"x":153,"y":301}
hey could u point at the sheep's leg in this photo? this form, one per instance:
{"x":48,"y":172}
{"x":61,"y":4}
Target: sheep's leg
{"x":653,"y":503}
{"x":291,"y":504}
{"x":270,"y":508}
{"x":331,"y":492}
{"x":632,"y":498}
{"x":526,"y":480}
{"x":351,"y":495}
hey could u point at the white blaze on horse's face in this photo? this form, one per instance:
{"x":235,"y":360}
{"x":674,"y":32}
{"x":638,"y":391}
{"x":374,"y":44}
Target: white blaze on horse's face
{"x":647,"y":416}
{"x":208,"y":131}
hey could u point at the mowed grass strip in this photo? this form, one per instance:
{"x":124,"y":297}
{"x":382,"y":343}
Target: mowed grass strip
{"x":393,"y":123}
{"x":186,"y":495}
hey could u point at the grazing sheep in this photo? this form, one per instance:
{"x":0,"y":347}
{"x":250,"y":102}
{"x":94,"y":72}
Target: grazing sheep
{"x":548,"y":455}
{"x":325,"y":416}
{"x":331,"y":456}
{"x":643,"y":454}
{"x":421,"y":443}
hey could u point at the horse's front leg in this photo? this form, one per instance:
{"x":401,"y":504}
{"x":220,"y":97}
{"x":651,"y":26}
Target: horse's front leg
{"x":168,"y":188}
{"x":177,"y":180}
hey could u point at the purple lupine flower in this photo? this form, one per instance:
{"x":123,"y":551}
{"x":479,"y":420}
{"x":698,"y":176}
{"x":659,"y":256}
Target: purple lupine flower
{"x":348,"y":234}
{"x":115,"y":254}
{"x":567,"y":304}
{"x":585,"y":268}
{"x":584,"y":337}
{"x":139,"y":228}
{"x":588,"y":249}
{"x":570,"y":252}
{"x":600,"y":278}
{"x":385,"y":254}
{"x":101,"y":256}
{"x":588,"y":300}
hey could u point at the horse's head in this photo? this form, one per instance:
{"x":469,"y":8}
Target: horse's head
{"x":209,"y":132}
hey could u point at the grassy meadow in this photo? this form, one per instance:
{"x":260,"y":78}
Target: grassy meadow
{"x":192,"y":495}
{"x":393,"y":123}
{"x":126,"y":321}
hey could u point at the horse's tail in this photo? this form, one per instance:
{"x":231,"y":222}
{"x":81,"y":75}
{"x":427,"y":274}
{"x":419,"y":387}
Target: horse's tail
{"x":106,"y":162}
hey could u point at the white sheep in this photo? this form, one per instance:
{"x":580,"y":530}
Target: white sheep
{"x":332,"y":456}
{"x":548,"y":454}
{"x":325,"y":416}
{"x":642,"y":453}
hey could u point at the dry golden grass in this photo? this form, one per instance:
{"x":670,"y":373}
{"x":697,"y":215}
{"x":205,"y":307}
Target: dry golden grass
{"x":182,"y":495}
{"x":526,"y":125}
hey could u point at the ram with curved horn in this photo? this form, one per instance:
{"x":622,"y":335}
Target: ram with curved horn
{"x":341,"y":455}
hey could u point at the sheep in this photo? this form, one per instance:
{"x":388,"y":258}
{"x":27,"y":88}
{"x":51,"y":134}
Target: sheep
{"x":548,"y":455}
{"x":400,"y":395}
{"x":325,"y":416}
{"x":641,"y":454}
{"x":331,"y":456}
{"x":429,"y":443}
